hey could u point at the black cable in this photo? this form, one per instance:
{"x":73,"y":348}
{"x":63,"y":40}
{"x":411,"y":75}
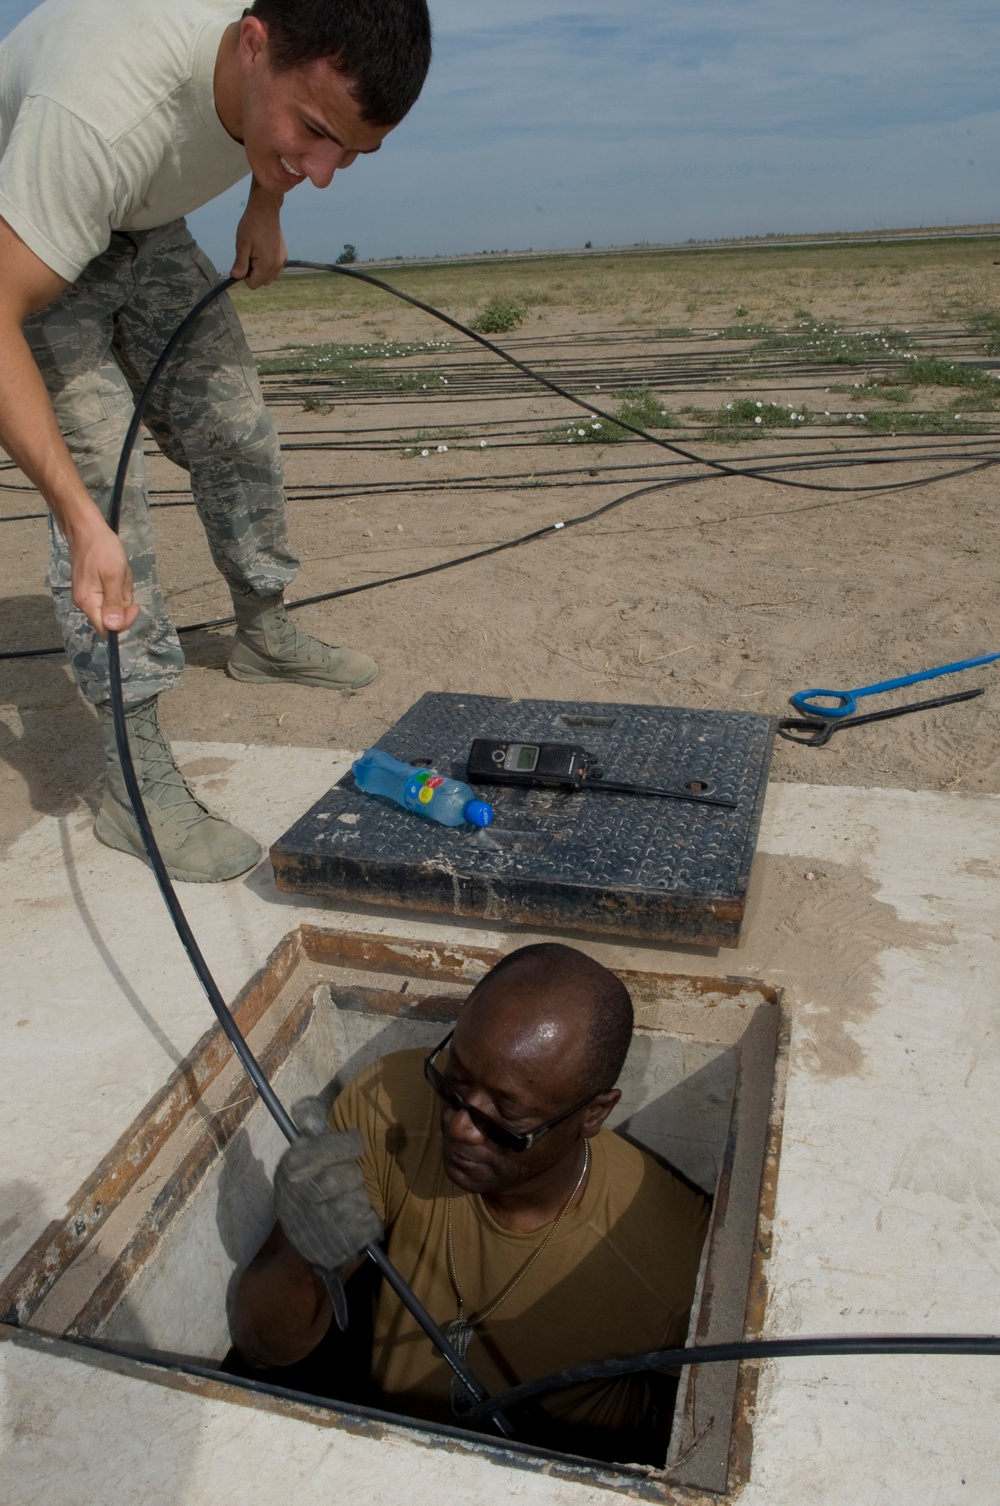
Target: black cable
{"x":538,"y":533}
{"x":771,"y":474}
{"x":219,"y":1007}
{"x":854,"y":493}
{"x":752,"y":1349}
{"x":536,"y":376}
{"x":391,"y":580}
{"x":597,"y":472}
{"x":463,"y":559}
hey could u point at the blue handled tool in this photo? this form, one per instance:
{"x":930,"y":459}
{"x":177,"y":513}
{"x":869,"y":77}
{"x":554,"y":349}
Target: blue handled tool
{"x":805,"y":700}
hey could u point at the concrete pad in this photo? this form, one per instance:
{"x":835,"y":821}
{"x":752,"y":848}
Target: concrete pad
{"x":81,"y":1429}
{"x":879,"y":914}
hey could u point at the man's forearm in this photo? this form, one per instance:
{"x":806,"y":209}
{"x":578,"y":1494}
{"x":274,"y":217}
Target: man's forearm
{"x":261,"y":196}
{"x":282,"y":1309}
{"x":102,"y":581}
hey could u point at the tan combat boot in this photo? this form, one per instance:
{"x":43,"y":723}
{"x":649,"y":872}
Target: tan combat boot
{"x":197,"y":845}
{"x":267,"y":648}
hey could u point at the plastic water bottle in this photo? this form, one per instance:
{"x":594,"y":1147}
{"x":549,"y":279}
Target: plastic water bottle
{"x":447,"y":801}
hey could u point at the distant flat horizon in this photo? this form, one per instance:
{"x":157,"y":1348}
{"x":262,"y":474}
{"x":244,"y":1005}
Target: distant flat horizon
{"x":987,"y":230}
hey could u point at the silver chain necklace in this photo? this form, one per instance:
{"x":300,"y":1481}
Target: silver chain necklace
{"x":459,"y":1332}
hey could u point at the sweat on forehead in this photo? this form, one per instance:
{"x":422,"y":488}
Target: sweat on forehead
{"x":548,"y":995}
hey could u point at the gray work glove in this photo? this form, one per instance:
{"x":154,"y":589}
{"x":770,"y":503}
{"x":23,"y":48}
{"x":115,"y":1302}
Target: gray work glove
{"x":319,"y":1192}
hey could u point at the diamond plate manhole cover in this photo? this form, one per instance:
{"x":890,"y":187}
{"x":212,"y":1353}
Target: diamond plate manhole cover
{"x":622,"y":865}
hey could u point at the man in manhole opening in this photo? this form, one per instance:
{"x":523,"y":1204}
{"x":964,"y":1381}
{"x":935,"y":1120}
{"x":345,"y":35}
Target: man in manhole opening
{"x":537,"y":1237}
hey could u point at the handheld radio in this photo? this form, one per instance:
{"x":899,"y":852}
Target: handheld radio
{"x":566,"y":766}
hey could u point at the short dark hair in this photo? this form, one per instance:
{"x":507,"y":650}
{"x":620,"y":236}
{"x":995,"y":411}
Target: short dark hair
{"x":382,"y":47}
{"x":603,"y":996}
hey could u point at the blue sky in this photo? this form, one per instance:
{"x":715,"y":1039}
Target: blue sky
{"x":548,"y":123}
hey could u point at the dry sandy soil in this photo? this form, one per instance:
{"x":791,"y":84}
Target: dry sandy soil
{"x":728,"y":592}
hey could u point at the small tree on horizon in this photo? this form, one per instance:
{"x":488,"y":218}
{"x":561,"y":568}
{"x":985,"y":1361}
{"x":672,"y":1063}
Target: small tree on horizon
{"x":348,"y":255}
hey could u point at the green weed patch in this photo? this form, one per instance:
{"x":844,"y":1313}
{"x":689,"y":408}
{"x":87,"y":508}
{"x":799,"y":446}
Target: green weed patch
{"x":747,"y":416}
{"x":639,"y":406}
{"x":874,"y":389}
{"x":932,"y":371}
{"x":642,"y":407}
{"x":748,"y":332}
{"x":499,"y":317}
{"x":423,"y":443}
{"x":920,"y":423}
{"x":826,"y":343}
{"x":338,"y":358}
{"x":350,"y":365}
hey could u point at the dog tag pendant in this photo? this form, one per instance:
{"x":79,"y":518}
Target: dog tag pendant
{"x":459,"y":1335}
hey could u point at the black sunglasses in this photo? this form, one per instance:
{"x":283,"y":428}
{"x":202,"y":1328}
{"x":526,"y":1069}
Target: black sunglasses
{"x":491,"y":1128}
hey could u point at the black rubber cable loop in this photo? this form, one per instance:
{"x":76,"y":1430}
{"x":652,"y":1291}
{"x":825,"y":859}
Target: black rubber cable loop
{"x":219,"y":1007}
{"x":761,"y":474}
{"x":598,"y":473}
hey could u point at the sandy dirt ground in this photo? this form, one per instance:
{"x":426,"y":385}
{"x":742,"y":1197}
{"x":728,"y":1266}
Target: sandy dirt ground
{"x":723,"y":592}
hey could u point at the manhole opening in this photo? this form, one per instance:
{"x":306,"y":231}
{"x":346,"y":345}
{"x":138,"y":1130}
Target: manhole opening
{"x":148,"y":1256}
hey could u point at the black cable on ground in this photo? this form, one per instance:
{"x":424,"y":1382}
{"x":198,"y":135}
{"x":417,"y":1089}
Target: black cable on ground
{"x":771,"y":474}
{"x":761,"y":474}
{"x":391,"y":580}
{"x":201,"y":969}
{"x":464,"y":559}
{"x":596,"y":471}
{"x":543,"y":532}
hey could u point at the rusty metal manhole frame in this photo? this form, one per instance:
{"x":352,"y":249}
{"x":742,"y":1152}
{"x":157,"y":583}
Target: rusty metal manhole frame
{"x":709,"y":1456}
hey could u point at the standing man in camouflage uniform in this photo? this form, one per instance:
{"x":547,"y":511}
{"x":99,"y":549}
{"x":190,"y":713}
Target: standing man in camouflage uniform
{"x":117,"y":118}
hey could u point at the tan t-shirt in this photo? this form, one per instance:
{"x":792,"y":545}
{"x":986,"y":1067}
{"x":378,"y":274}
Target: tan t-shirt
{"x":108,"y":122}
{"x":617,"y":1277}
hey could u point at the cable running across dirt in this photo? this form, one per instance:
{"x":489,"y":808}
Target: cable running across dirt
{"x":854,"y":492}
{"x":844,"y":493}
{"x":761,"y":473}
{"x":595,"y":474}
{"x":773,"y":474}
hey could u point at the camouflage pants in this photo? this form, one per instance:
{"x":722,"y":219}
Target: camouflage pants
{"x":95,"y":347}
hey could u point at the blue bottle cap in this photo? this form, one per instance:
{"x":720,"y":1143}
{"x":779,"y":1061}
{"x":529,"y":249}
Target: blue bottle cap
{"x":478,"y":813}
